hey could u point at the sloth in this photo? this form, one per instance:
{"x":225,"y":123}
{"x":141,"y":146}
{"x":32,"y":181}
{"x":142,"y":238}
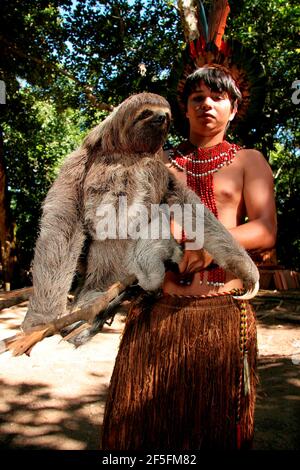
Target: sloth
{"x":119,"y":158}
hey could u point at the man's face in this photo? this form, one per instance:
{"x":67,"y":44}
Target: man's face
{"x":208,"y":111}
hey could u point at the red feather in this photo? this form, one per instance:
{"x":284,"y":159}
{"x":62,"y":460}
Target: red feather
{"x":193,"y":52}
{"x":217,"y":21}
{"x":200,"y":46}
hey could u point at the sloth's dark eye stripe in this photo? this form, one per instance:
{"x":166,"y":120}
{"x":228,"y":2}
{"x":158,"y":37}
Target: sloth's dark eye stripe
{"x":144,"y":114}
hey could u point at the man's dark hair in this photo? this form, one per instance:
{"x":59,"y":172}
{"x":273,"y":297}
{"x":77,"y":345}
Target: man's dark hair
{"x":215,"y":78}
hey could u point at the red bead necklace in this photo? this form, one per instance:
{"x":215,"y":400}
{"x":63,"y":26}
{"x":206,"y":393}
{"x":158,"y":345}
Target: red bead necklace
{"x":200,"y":164}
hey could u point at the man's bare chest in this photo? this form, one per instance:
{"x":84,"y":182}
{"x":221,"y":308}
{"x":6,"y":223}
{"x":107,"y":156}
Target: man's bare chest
{"x":227,"y":183}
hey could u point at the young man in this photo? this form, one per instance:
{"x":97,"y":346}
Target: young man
{"x":184,"y":378}
{"x":243,"y":186}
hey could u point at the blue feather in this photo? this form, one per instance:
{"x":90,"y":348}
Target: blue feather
{"x":203,"y":20}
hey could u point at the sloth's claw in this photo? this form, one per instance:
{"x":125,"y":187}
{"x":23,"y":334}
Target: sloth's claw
{"x":249,"y":294}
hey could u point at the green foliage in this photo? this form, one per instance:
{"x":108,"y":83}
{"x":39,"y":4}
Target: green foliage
{"x":270,"y":29}
{"x":34,"y":149}
{"x":286,"y":168}
{"x":111,"y":43}
{"x":31,"y":39}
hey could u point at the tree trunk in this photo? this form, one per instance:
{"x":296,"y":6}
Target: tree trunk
{"x":7,"y":241}
{"x":188,"y":10}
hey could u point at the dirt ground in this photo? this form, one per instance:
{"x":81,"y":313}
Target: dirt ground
{"x":55,"y":398}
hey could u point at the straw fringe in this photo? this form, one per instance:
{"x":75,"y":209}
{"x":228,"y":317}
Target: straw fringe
{"x":176,"y":377}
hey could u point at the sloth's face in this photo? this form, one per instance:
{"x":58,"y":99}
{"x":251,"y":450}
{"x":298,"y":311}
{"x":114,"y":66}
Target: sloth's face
{"x":149,"y":128}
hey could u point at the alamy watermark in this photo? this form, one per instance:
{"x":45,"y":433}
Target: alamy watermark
{"x":154,"y":222}
{"x":2,"y":92}
{"x":296,"y":93}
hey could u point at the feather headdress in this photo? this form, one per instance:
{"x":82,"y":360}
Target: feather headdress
{"x":205,"y":46}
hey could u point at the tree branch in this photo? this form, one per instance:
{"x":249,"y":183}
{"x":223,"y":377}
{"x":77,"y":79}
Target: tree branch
{"x":87,"y":89}
{"x":23,"y":342}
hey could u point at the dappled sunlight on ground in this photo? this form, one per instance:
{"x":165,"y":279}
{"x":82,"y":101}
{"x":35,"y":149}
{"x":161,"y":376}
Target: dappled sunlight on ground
{"x":278,"y":405}
{"x":55,"y":398}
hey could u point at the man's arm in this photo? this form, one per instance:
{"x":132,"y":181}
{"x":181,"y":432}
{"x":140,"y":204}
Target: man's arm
{"x":192,"y":260}
{"x":259,"y":232}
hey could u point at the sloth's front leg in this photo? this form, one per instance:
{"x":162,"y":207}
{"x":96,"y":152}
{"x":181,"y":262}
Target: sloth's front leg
{"x":146,"y":260}
{"x":217,"y":240}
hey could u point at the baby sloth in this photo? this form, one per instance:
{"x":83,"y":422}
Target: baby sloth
{"x":118,"y":160}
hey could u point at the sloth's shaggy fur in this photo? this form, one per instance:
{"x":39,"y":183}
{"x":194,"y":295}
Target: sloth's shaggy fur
{"x":119,"y":157}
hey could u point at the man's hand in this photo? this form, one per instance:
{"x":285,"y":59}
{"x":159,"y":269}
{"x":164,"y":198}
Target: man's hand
{"x":194,"y":261}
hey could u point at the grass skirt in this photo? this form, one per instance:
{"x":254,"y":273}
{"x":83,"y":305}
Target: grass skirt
{"x":176,"y":381}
